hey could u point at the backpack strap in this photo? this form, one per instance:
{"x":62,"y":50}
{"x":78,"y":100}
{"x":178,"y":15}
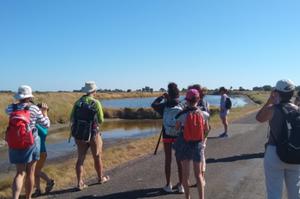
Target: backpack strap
{"x":186,"y":110}
{"x":284,"y":112}
{"x":15,"y":107}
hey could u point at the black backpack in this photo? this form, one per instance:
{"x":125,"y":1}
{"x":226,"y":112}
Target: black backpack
{"x":288,"y":143}
{"x":228,"y":103}
{"x":84,"y":120}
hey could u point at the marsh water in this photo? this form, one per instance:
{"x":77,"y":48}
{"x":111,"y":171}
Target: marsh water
{"x":213,"y":100}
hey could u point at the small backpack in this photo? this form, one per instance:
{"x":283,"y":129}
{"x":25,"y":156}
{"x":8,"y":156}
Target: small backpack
{"x":169,"y":120}
{"x":18,"y":133}
{"x":194,"y":126}
{"x":288,"y":144}
{"x":84,"y":121}
{"x":228,"y":103}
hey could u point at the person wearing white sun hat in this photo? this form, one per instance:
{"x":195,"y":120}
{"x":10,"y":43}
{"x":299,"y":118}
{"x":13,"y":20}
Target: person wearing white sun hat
{"x":25,"y":156}
{"x":277,"y":170}
{"x":86,"y":117}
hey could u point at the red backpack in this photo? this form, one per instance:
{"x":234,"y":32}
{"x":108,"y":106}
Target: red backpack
{"x":18,"y":135}
{"x":194,"y":126}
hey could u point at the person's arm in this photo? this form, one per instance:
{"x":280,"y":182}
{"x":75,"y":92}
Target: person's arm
{"x":41,"y":115}
{"x":158,"y":106}
{"x":266,"y":112}
{"x":100,"y":114}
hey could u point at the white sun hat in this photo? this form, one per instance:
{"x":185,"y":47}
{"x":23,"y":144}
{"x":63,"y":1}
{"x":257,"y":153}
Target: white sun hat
{"x":285,"y":85}
{"x":89,"y":87}
{"x":24,"y":92}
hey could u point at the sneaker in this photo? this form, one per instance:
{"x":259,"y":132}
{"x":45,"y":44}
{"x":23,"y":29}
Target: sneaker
{"x":180,"y":188}
{"x":224,"y":135}
{"x":37,"y":193}
{"x":49,"y":186}
{"x":168,"y":188}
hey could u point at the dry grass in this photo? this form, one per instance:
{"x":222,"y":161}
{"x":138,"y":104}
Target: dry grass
{"x":113,"y":156}
{"x":259,"y":97}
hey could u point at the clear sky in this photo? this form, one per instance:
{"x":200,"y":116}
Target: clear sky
{"x":59,"y":44}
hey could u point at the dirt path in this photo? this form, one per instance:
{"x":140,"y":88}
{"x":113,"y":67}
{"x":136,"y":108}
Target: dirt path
{"x":234,"y":170}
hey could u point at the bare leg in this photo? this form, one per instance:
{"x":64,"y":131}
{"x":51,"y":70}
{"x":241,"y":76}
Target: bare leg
{"x":225,"y":123}
{"x":82,"y":148}
{"x":185,"y":177}
{"x":29,"y":183}
{"x":96,"y":148}
{"x":199,"y":178}
{"x":18,"y":180}
{"x":168,"y":160}
{"x":45,"y":177}
{"x":179,"y":166}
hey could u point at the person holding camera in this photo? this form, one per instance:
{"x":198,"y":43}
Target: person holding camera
{"x":39,"y":174}
{"x":168,"y":107}
{"x":279,"y":111}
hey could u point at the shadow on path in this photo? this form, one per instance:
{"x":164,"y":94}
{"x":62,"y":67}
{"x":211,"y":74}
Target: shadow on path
{"x":63,"y":191}
{"x":235,"y":158}
{"x":134,"y":194}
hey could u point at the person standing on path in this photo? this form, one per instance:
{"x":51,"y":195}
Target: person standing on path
{"x":86,"y":117}
{"x":171,"y":100}
{"x":42,"y":132}
{"x":277,"y":171}
{"x":224,"y":111}
{"x":192,"y":126}
{"x":203,"y":105}
{"x":25,"y":159}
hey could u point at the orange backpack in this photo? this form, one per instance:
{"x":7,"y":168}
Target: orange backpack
{"x":194,"y":126}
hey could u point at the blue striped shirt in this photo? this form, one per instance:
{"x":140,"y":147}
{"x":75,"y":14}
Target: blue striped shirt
{"x":36,"y":116}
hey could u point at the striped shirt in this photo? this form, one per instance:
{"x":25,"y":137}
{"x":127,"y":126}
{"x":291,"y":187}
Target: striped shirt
{"x":36,"y":116}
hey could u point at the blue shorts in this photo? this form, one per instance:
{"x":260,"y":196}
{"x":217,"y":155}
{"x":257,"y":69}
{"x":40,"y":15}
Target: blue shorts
{"x":187,"y":150}
{"x":23,"y":156}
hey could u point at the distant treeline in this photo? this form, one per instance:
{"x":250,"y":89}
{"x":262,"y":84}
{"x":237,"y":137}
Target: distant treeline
{"x":151,"y":90}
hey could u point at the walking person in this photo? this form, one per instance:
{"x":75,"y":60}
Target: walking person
{"x":86,"y":117}
{"x":39,"y":174}
{"x":224,"y":111}
{"x":23,"y":140}
{"x":192,"y":126}
{"x":276,"y":168}
{"x":168,"y":106}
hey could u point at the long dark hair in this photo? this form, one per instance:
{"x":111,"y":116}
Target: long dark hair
{"x":173,"y":90}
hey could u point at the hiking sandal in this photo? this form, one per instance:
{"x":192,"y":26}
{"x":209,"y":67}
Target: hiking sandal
{"x":49,"y":186}
{"x":82,"y":187}
{"x":103,"y":179}
{"x":37,"y":193}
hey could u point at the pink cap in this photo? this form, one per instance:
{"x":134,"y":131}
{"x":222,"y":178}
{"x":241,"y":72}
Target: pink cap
{"x":192,"y":93}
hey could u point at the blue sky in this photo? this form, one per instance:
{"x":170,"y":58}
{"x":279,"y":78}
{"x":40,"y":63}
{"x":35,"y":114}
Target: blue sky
{"x":60,"y":44}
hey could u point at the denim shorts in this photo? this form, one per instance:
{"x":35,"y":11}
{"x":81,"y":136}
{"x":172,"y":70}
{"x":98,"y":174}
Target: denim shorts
{"x":23,"y":156}
{"x":187,"y":150}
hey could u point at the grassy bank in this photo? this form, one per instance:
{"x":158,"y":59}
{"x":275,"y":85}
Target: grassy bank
{"x":113,"y":156}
